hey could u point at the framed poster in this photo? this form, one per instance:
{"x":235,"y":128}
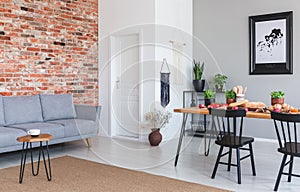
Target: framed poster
{"x":271,"y":46}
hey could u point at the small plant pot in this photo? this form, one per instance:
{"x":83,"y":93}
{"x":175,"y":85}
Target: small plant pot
{"x":199,"y":85}
{"x":229,"y":100}
{"x":277,"y":101}
{"x":219,"y":89}
{"x":207,"y":102}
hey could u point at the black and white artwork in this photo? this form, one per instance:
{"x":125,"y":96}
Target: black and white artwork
{"x":271,"y":46}
{"x":270,"y":41}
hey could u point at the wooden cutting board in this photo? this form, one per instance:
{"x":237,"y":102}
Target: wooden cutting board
{"x":239,"y":103}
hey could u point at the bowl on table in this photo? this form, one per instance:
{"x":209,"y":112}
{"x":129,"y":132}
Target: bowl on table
{"x":34,"y":132}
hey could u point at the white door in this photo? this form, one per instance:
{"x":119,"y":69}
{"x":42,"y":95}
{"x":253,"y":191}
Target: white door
{"x":125,"y":85}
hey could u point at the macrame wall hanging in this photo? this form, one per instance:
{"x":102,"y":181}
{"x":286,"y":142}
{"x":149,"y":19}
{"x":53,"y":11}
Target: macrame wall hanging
{"x":164,"y":83}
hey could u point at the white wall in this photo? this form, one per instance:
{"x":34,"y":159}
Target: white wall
{"x":158,"y":21}
{"x":222,"y":26}
{"x":174,"y":22}
{"x":120,"y":17}
{"x":116,"y":14}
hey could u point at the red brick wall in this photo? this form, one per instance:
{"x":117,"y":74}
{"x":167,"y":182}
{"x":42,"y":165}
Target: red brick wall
{"x":49,"y":46}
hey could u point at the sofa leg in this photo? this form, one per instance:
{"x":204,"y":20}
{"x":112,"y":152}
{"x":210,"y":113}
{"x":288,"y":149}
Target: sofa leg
{"x":89,"y":142}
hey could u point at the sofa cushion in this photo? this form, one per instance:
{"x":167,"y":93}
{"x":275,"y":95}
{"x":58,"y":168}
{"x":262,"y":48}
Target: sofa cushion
{"x":57,"y":106}
{"x":22,"y":109}
{"x":2,"y":121}
{"x":8,"y":136}
{"x":56,"y":130}
{"x":75,"y":127}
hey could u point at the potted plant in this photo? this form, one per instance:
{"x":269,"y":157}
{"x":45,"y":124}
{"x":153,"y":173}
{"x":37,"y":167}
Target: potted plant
{"x":219,"y":81}
{"x":230,"y":96}
{"x":277,"y":97}
{"x":209,"y":97}
{"x":157,"y":119}
{"x":198,"y":82}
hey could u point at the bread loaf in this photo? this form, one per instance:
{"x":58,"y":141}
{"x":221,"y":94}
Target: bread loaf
{"x":255,"y":105}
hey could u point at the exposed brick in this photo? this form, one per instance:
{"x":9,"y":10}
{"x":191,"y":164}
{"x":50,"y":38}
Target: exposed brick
{"x":33,"y":49}
{"x":3,"y":10}
{"x":27,"y":35}
{"x":24,"y":8}
{"x":6,"y":93}
{"x":9,"y":15}
{"x":27,"y":9}
{"x":4,"y":38}
{"x":47,"y":48}
{"x":13,"y":34}
{"x":41,"y":28}
{"x":27,"y":18}
{"x":25,"y":26}
{"x":59,"y":43}
{"x":17,"y":30}
{"x":77,"y":49}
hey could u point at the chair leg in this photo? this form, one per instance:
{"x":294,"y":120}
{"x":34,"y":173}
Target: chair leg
{"x":252,"y":159}
{"x":229,"y":159}
{"x":291,"y":168}
{"x":280,"y":172}
{"x":238,"y":160}
{"x":217,"y":162}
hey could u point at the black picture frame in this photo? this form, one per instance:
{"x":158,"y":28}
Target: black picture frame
{"x":271,"y":43}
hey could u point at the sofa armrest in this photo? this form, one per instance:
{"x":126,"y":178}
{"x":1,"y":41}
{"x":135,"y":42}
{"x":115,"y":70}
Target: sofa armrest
{"x":88,"y":112}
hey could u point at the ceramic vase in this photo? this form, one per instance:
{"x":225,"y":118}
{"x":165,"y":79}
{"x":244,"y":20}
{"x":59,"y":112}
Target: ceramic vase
{"x":277,"y":101}
{"x":155,"y":137}
{"x":229,"y":100}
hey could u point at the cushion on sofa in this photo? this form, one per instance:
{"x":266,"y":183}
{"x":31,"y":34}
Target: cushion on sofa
{"x":56,"y":130}
{"x":57,"y":106}
{"x":8,"y":136}
{"x":2,"y":122}
{"x":75,"y":127}
{"x":22,"y":109}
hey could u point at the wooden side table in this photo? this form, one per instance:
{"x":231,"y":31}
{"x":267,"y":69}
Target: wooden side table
{"x":28,"y":139}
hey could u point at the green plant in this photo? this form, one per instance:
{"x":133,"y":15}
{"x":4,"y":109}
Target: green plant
{"x":277,"y":94}
{"x":198,"y":70}
{"x":230,"y":94}
{"x":209,"y":94}
{"x":219,"y":80}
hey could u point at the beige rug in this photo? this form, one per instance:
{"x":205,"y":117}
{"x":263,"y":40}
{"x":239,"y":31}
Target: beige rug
{"x":72,"y":174}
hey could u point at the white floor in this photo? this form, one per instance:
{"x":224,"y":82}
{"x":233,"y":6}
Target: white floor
{"x":192,"y":166}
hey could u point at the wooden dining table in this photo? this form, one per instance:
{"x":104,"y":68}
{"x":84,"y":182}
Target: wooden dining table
{"x":205,"y":112}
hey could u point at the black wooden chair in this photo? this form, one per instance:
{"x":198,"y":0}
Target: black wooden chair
{"x":229,"y":124}
{"x":289,"y":142}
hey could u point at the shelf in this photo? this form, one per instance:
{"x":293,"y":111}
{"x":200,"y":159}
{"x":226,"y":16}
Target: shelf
{"x":196,"y":122}
{"x":199,"y":133}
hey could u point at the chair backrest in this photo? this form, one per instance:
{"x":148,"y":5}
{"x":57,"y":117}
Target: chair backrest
{"x":286,"y":130}
{"x":229,"y":123}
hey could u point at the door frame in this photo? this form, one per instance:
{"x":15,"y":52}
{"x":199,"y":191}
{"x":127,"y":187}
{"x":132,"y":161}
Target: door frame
{"x":110,"y":83}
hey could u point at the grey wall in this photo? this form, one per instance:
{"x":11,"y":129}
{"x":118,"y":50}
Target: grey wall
{"x":222,"y":28}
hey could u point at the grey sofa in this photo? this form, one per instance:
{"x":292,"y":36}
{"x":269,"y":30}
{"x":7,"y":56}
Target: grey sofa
{"x":53,"y":114}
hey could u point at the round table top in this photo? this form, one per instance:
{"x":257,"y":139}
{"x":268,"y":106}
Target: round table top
{"x":30,"y":139}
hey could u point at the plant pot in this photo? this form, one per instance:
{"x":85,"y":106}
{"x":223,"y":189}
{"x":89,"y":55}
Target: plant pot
{"x":219,"y":89}
{"x":229,"y":100}
{"x":207,"y":102}
{"x":277,"y":101}
{"x":155,"y":137}
{"x":199,"y":85}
